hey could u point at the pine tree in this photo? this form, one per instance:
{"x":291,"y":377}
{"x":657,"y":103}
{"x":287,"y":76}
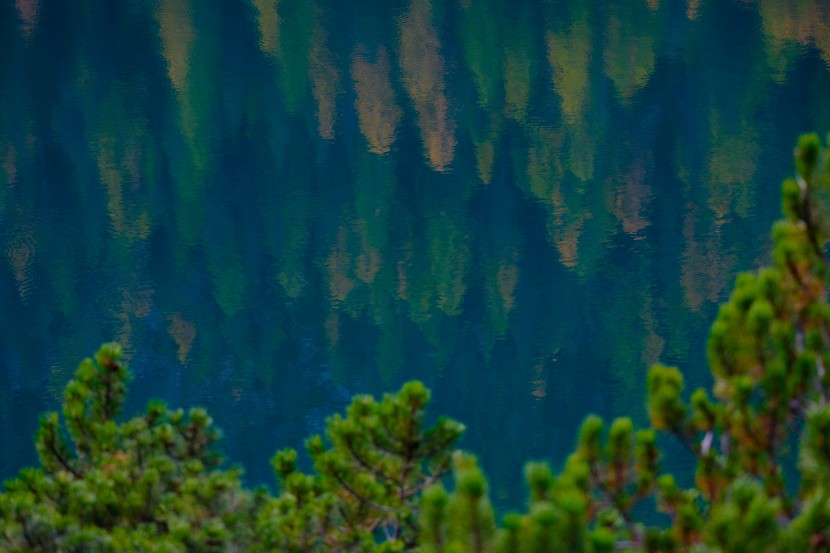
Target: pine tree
{"x":769,"y":350}
{"x":156,"y":483}
{"x":370,"y":471}
{"x":151,"y":483}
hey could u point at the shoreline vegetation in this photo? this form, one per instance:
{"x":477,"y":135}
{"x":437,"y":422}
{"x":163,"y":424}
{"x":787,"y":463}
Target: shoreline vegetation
{"x":156,"y":482}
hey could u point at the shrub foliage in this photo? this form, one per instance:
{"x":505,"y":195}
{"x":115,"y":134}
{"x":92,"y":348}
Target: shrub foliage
{"x":156,"y":482}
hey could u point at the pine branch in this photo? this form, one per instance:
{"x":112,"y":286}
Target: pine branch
{"x":812,"y":233}
{"x":53,"y":449}
{"x":377,"y":471}
{"x":360,"y":497}
{"x":429,"y":481}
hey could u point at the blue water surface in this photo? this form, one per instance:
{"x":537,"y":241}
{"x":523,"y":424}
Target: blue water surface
{"x":276,"y":204}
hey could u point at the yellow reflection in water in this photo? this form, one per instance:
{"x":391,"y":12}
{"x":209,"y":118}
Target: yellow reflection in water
{"x":501,"y":285}
{"x":136,"y":302}
{"x":423,"y":78}
{"x":485,"y":156}
{"x":377,"y":113}
{"x":544,"y":169}
{"x":368,"y":260}
{"x":111,"y":178}
{"x":581,"y":151}
{"x":177,"y":34}
{"x":517,"y":75}
{"x":268,"y":21}
{"x":507,"y":279}
{"x":353,"y":263}
{"x":732,"y":165}
{"x":332,"y":328}
{"x":190,"y":72}
{"x":338,"y":265}
{"x":693,"y":263}
{"x":325,"y":82}
{"x":653,"y":343}
{"x":629,"y":55}
{"x":544,"y":173}
{"x":806,"y":22}
{"x":485,"y":138}
{"x":118,"y":165}
{"x":569,"y":57}
{"x":705,"y":269}
{"x":404,"y":270}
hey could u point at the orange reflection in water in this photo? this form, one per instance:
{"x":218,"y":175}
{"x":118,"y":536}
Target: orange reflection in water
{"x":28,"y":11}
{"x":378,"y":114}
{"x":183,"y":333}
{"x":136,"y":302}
{"x":632,"y":200}
{"x":692,"y":9}
{"x":501,"y":282}
{"x":118,"y":168}
{"x":339,"y":266}
{"x":423,"y":78}
{"x":566,"y":239}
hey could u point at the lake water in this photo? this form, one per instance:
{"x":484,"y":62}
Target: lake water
{"x":274,"y":205}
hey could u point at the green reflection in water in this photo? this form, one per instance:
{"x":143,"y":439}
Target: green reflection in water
{"x":277,"y":204}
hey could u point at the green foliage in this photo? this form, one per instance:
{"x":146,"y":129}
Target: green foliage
{"x":768,"y":351}
{"x":155,"y":482}
{"x":370,"y":471}
{"x":150,"y":483}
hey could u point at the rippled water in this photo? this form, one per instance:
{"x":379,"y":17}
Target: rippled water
{"x":277,"y":204}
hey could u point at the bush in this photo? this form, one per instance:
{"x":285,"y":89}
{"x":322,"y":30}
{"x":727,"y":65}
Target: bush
{"x":156,"y":483}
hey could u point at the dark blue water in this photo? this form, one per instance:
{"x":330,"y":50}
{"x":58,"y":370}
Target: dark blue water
{"x":274,"y":205}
